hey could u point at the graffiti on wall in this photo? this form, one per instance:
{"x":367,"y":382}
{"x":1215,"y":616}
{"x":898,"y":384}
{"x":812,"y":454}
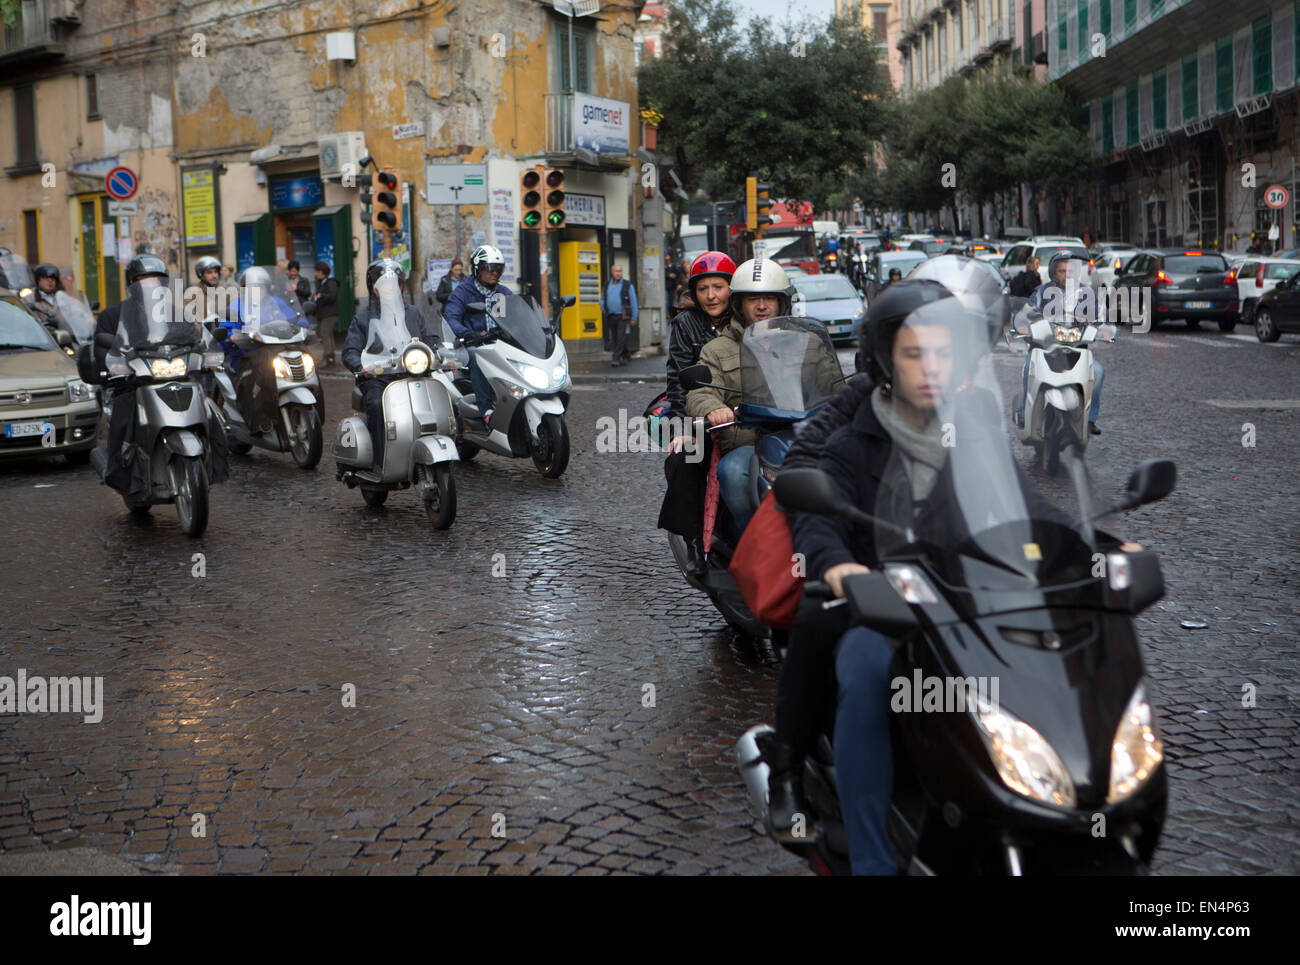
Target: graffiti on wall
{"x":155,"y":228}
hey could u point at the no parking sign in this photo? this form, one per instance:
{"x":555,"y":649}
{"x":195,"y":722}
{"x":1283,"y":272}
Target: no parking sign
{"x":121,"y":183}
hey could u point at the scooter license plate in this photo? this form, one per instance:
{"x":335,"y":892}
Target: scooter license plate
{"x":1198,"y":304}
{"x":18,"y":430}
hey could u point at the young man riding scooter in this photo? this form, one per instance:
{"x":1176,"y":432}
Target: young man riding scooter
{"x":486,"y":265}
{"x":384,"y":278}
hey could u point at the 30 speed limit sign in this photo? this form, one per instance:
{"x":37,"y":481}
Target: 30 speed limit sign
{"x":1276,"y":196}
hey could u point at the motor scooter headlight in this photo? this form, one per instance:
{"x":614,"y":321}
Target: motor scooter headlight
{"x":561,"y":373}
{"x":280,"y":366}
{"x":1137,"y":750}
{"x":1025,"y":761}
{"x":308,"y":363}
{"x":415,"y":361}
{"x":168,"y":368}
{"x":534,"y":376}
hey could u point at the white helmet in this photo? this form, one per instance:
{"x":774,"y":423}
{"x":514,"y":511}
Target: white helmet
{"x":760,"y":276}
{"x":487,"y":256}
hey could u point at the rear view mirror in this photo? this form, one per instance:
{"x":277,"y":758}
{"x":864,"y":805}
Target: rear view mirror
{"x":1151,"y":481}
{"x":63,"y":339}
{"x":694,"y":376}
{"x":807,"y":491}
{"x":567,"y":301}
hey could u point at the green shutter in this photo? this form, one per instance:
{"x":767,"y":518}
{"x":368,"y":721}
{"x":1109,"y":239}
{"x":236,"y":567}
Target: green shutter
{"x":1103,"y":17}
{"x":1107,"y":124}
{"x":1191,"y":87}
{"x":1261,"y":42}
{"x":1223,"y":74}
{"x":1083,"y":29}
{"x":1062,"y":29}
{"x":1131,"y":113}
{"x":1130,"y":15}
{"x":1159,"y":87}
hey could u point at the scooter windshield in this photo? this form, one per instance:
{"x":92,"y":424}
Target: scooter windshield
{"x":788,"y":367}
{"x":952,"y":485}
{"x":388,"y":336}
{"x":151,"y":318}
{"x":75,"y":316}
{"x":522,"y":323}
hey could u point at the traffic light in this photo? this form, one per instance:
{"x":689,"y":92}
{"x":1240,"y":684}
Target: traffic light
{"x":554,"y":198}
{"x":367,"y":198}
{"x":389,"y":199}
{"x":751,"y":204}
{"x":530,"y":198}
{"x":762,"y":207}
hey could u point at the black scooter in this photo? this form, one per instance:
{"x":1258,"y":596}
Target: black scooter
{"x":1062,"y":773}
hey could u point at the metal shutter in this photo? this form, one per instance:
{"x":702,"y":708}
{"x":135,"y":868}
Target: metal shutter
{"x":1243,"y":66}
{"x":1120,"y":100}
{"x":1174,"y":95}
{"x":1094,"y":122}
{"x":1205,"y":74}
{"x":1283,"y":48}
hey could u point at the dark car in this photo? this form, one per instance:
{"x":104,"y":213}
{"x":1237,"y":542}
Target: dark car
{"x":939,"y":246}
{"x":1278,"y":310}
{"x":1191,"y":285}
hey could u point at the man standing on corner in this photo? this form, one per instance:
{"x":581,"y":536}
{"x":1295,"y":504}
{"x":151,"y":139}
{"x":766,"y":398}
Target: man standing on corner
{"x":619,"y":305}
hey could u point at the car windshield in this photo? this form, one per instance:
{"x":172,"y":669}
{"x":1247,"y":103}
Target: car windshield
{"x":820,"y":288}
{"x":19,"y":331}
{"x":1192,"y":264}
{"x":1044,"y":254}
{"x":788,"y":366}
{"x":956,"y":485}
{"x":1278,"y":272}
{"x":799,"y":247}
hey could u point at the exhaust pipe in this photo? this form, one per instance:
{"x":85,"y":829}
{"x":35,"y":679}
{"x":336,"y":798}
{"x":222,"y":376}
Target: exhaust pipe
{"x":752,"y":767}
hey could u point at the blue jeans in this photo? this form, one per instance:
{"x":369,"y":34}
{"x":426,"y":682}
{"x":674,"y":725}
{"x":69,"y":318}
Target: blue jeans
{"x":1093,"y":409}
{"x":864,"y":763}
{"x":484,"y":398}
{"x":733,"y":481}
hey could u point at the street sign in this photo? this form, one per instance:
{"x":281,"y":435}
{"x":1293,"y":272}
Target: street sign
{"x":456,"y":183}
{"x":118,"y":209}
{"x":121,"y":183}
{"x":1276,"y":196}
{"x":412,"y":129}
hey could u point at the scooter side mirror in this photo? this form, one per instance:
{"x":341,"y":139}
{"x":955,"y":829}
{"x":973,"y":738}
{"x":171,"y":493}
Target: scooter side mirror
{"x":694,"y":376}
{"x":63,"y":339}
{"x":567,"y":301}
{"x":807,"y":491}
{"x":477,"y":306}
{"x":1151,"y":481}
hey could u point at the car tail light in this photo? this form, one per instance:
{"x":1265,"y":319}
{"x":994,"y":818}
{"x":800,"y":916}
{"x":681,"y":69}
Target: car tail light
{"x":1191,"y":252}
{"x":1117,"y":264}
{"x":1162,"y":278}
{"x":1230,"y":278}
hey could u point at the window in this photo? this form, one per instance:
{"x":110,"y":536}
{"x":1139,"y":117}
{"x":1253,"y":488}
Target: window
{"x":581,"y":52}
{"x":1131,"y":113}
{"x":1159,"y":90}
{"x":1261,"y":42}
{"x":25,"y":126}
{"x":961,"y":32}
{"x":880,"y":25}
{"x":1103,"y":17}
{"x":1062,"y":30}
{"x":92,"y":96}
{"x":1107,"y":124}
{"x":1083,"y":29}
{"x":1190,"y":88}
{"x":1130,"y":15}
{"x":31,"y":237}
{"x":1223,"y":74}
{"x":1028,"y":40}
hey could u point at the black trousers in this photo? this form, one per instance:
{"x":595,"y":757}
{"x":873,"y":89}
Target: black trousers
{"x":620,"y":325}
{"x":372,"y":390}
{"x":805,"y":694}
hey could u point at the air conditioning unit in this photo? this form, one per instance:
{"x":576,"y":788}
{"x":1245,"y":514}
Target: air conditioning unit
{"x":338,"y":150}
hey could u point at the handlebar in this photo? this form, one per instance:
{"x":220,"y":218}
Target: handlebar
{"x":818,"y":590}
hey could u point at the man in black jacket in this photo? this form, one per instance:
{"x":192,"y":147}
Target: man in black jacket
{"x":325,"y":308}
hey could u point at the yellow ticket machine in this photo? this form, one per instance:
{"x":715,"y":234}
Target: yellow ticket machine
{"x":580,"y":276}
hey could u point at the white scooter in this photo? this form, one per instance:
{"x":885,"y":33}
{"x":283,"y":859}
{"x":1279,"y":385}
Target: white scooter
{"x":1061,"y":382}
{"x":419,"y":443}
{"x":526,"y":365}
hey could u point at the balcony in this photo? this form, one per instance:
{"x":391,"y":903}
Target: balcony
{"x":37,"y":36}
{"x":560,"y":141}
{"x":1000,"y":35}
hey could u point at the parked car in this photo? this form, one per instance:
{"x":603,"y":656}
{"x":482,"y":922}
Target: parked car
{"x":832,"y":300}
{"x":1013,"y":263}
{"x":1278,"y":310}
{"x":1187,"y":284}
{"x":45,"y":408}
{"x":1257,"y":275}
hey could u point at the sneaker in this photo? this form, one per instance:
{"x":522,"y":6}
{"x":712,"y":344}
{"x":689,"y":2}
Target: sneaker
{"x":1094,"y":429}
{"x":487,"y":419}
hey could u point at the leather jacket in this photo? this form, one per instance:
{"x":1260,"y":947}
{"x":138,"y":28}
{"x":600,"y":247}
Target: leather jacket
{"x":689,"y":331}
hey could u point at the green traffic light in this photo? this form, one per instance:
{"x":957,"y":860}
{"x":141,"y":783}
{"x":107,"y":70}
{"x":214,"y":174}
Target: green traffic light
{"x":532,"y":219}
{"x":555,"y":218}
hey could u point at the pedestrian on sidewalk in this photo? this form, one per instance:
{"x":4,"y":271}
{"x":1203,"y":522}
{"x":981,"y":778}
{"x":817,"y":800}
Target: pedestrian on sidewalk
{"x":325,"y":308}
{"x":449,"y":281}
{"x":619,"y":305}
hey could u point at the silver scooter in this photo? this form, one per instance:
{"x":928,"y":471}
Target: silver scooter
{"x":419,"y":442}
{"x":526,"y":365}
{"x":273,"y":320}
{"x":161,"y":357}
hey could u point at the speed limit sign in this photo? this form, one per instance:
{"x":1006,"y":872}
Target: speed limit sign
{"x":1276,"y":196}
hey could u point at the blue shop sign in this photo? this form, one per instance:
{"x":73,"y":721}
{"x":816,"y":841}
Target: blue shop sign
{"x":301,"y":192}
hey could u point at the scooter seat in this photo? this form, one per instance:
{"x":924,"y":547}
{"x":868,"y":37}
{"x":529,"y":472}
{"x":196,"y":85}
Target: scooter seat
{"x":358,"y":400}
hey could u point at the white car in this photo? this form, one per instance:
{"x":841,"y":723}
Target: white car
{"x":1109,"y":261}
{"x":1257,"y":275}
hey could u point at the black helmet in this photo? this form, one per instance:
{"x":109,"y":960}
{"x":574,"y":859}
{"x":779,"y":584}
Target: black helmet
{"x":45,"y":270}
{"x":204,"y":264}
{"x":888,"y":311}
{"x":142,"y":266}
{"x":377,"y":268}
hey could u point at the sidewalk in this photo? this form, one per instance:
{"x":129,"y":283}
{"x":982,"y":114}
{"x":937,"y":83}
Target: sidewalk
{"x":642,"y":368}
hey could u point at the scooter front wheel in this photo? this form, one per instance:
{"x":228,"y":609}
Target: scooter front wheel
{"x":438,"y":489}
{"x":306,"y":441}
{"x":551,"y":453}
{"x":190,"y":483}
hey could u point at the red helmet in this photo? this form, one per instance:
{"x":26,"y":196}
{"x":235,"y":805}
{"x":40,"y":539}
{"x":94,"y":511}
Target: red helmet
{"x":708,"y":264}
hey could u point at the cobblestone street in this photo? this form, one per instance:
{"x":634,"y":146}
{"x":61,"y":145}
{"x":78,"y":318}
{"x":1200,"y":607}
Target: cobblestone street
{"x":576,"y":714}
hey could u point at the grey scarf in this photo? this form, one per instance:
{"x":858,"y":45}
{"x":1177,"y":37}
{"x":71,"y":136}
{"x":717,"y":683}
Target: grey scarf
{"x":922,"y":449}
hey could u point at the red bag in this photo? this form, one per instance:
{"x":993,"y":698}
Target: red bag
{"x":764,"y":567}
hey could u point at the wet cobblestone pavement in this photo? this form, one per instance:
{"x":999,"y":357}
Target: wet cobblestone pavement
{"x":504,"y":724}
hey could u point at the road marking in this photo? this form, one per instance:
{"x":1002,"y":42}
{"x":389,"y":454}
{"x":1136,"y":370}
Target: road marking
{"x":1253,"y":403}
{"x":1253,"y":340}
